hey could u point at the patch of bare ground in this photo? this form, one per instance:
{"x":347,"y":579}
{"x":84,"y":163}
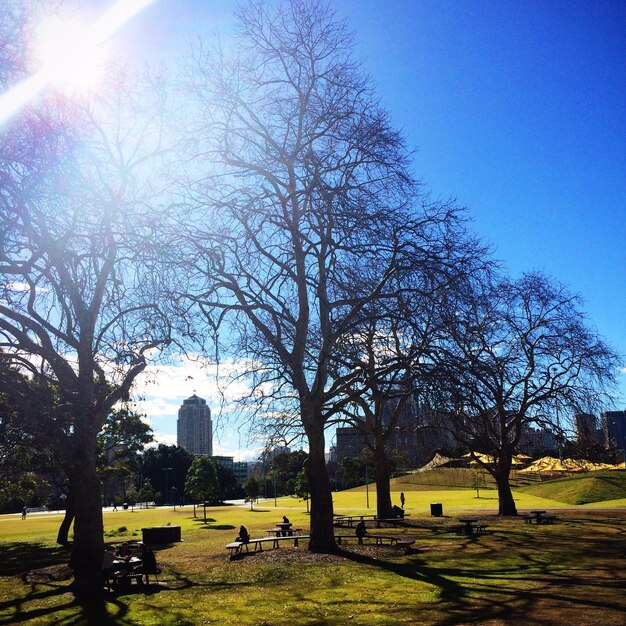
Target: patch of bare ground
{"x":298,"y":555}
{"x":48,"y":574}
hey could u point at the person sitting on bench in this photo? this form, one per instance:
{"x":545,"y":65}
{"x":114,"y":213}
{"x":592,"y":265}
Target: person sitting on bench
{"x":360,"y":531}
{"x":244,"y":535}
{"x":148,"y":563}
{"x":397,"y":511}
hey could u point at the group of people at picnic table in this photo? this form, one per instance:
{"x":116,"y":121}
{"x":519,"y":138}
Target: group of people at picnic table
{"x":122,"y":562}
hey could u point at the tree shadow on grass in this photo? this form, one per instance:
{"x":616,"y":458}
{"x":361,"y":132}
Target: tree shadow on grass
{"x":19,"y":557}
{"x":218,"y":527}
{"x":475,"y":584}
{"x":55,"y":602}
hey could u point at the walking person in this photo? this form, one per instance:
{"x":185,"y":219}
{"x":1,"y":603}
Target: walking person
{"x":24,"y":511}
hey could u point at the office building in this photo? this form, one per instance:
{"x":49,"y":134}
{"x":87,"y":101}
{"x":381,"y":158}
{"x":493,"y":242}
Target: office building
{"x":586,"y":427}
{"x":194,"y":427}
{"x":350,"y":442}
{"x":614,"y":429}
{"x":239,"y":468}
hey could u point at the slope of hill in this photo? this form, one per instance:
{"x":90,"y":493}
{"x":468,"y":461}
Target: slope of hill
{"x":582,"y":488}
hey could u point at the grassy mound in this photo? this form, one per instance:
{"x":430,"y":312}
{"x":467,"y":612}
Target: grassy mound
{"x":582,"y":488}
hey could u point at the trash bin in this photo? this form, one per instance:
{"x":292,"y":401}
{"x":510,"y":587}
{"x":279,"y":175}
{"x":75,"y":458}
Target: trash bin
{"x":436,"y":509}
{"x":161,"y":534}
{"x":125,"y":505}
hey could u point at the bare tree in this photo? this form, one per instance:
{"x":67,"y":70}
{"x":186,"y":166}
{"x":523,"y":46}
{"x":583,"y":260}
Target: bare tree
{"x":78,"y":308}
{"x":521,"y":353}
{"x":392,"y":351}
{"x":299,"y":192}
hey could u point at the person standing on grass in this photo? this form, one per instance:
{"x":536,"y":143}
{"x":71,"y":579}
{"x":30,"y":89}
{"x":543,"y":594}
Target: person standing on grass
{"x":402,"y":500}
{"x":24,"y":511}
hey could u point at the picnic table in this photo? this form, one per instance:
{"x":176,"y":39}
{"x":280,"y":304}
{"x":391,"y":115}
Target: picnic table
{"x":284,"y":527}
{"x":469,"y":526}
{"x":282,"y":532}
{"x":539,"y":517}
{"x":398,"y":540}
{"x":352,"y":520}
{"x":125,"y":571}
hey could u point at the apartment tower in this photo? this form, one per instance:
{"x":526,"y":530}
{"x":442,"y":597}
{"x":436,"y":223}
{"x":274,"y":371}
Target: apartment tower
{"x":194,"y":427}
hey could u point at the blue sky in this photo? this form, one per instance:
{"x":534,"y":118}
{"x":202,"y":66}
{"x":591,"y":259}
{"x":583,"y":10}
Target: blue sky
{"x":515,"y":108}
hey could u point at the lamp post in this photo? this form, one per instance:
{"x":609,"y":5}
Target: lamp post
{"x":367,"y":491}
{"x":167,"y":473}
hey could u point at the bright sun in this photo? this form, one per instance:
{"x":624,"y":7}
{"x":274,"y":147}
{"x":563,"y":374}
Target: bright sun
{"x":68,"y":54}
{"x":71,"y":54}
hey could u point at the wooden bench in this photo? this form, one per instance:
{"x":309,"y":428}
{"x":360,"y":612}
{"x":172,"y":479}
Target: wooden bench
{"x":380,"y":540}
{"x":275,"y":541}
{"x":236,"y":547}
{"x":377,"y":538}
{"x":528,"y":518}
{"x":390,"y":520}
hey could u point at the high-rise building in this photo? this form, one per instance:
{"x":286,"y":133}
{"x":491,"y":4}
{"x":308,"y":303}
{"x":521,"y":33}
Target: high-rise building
{"x":194,"y":428}
{"x":415,"y":436}
{"x":585,"y":427}
{"x":350,"y":442}
{"x":614,"y":428}
{"x":536,"y":441}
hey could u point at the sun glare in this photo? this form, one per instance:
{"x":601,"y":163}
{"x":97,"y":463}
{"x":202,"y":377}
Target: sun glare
{"x":71,"y":54}
{"x":68,"y":55}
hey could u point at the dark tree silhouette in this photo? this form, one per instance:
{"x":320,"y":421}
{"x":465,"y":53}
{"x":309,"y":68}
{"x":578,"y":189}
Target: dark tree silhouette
{"x":79,"y":308}
{"x":300,"y":198}
{"x":520,"y":353}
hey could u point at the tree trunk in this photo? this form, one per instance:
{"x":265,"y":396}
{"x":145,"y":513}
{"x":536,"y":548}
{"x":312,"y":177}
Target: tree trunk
{"x":506,"y":503}
{"x":85,"y":487}
{"x":322,"y":531}
{"x":381,"y":473}
{"x":66,"y":524}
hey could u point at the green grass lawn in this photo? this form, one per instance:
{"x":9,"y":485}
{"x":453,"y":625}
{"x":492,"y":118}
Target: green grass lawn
{"x":570,"y":572}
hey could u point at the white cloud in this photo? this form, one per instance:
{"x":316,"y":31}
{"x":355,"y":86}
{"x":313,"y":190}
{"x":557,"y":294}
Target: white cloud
{"x":166,"y":439}
{"x":161,"y":389}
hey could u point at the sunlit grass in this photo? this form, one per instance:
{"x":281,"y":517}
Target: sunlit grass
{"x":518,"y":573}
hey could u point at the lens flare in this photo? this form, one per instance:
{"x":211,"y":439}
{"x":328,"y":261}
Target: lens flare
{"x":71,"y":54}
